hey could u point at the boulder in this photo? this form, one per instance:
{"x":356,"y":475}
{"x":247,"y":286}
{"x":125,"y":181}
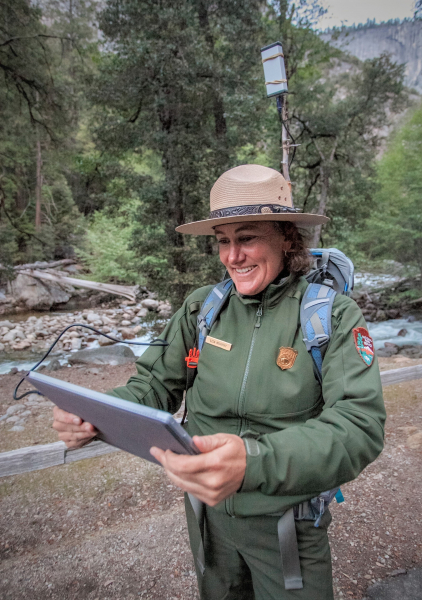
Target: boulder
{"x":402,"y":332}
{"x":150,"y":304}
{"x":109,"y":355}
{"x":142,"y":313}
{"x":38,"y":294}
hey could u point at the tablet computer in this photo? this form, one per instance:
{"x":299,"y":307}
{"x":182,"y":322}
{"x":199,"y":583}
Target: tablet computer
{"x":126,"y":425}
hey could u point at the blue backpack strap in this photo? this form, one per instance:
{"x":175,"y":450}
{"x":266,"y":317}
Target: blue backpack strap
{"x":315,"y":319}
{"x":211,"y":308}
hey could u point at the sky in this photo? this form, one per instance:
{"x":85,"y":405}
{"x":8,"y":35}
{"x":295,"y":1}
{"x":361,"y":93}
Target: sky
{"x":348,"y":12}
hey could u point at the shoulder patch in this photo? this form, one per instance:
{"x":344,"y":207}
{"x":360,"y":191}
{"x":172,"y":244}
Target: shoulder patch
{"x":364,"y":345}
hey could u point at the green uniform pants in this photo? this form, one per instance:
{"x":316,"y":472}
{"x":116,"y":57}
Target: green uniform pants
{"x":242,"y":558}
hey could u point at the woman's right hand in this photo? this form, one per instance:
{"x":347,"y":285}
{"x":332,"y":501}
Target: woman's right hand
{"x":74,"y":432}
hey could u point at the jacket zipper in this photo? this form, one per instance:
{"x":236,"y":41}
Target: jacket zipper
{"x":248,"y":362}
{"x":230,"y":501}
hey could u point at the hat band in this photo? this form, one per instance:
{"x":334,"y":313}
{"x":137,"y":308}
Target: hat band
{"x":251,"y":209}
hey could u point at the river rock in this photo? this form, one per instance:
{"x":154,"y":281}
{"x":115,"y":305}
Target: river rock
{"x":17,"y":428}
{"x":402,"y":332}
{"x":142,"y":313}
{"x":107,"y":321}
{"x":164,"y":310}
{"x":2,"y":346}
{"x":93,"y":317}
{"x":13,"y":334}
{"x":12,"y":419}
{"x":14,"y":409}
{"x":386,"y":352}
{"x":126,"y":323}
{"x":110,"y":355}
{"x":22,"y":345}
{"x":76,"y":343}
{"x":127,"y":334}
{"x":54,"y":365}
{"x":7,"y":324}
{"x":150,"y":304}
{"x":103,"y":341}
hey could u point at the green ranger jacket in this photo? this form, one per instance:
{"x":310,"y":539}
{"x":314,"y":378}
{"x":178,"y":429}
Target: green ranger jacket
{"x":300,"y":439}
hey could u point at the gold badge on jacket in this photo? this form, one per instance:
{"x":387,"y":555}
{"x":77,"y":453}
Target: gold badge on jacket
{"x":286,"y":358}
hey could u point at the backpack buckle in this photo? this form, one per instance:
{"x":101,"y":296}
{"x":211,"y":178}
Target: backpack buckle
{"x":192,"y":359}
{"x":317,"y":342}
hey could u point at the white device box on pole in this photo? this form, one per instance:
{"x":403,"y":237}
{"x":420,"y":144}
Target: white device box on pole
{"x":274,"y":69}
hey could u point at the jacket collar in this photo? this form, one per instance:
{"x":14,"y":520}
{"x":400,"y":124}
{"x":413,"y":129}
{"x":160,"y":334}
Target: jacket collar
{"x":290,"y":286}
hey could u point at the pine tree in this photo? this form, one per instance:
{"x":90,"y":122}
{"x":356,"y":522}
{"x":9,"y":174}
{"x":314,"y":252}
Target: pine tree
{"x":178,"y":81}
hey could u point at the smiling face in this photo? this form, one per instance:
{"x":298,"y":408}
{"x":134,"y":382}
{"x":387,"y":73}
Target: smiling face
{"x":252,"y":253}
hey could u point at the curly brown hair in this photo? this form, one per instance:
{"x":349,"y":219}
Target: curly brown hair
{"x":298,"y":259}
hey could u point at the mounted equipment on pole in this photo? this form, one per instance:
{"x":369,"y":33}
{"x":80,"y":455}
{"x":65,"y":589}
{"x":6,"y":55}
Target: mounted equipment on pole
{"x":276,"y":84}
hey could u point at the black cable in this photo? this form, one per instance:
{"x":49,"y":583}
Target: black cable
{"x":152,"y":343}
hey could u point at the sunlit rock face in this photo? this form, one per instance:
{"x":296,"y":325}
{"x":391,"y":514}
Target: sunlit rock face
{"x":403,"y":41}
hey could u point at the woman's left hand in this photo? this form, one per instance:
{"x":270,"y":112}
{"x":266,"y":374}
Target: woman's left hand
{"x":211,"y":476}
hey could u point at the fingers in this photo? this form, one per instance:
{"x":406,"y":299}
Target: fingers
{"x":208,"y":443}
{"x":85,"y":427}
{"x":212,"y":476}
{"x":75,"y":439}
{"x":65,"y":417}
{"x":72,"y":430}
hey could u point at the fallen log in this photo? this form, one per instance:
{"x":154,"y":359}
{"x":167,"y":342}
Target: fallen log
{"x":129,"y":292}
{"x":43,"y":265}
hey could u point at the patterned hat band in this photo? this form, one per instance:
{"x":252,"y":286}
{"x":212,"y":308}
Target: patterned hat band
{"x":251,"y":209}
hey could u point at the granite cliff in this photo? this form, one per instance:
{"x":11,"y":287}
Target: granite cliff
{"x":402,"y":40}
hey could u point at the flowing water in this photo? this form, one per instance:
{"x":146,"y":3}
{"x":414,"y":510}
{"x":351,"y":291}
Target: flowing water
{"x":385,"y":331}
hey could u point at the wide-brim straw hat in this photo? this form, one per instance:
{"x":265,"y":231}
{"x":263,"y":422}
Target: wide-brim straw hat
{"x":250,"y":193}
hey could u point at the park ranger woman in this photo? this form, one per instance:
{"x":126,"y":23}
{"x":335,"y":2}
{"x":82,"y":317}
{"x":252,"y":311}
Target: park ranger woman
{"x":271,"y":436}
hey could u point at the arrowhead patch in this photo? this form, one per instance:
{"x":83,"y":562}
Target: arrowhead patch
{"x":364,"y":345}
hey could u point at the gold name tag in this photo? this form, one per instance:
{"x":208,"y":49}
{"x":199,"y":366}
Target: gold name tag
{"x":218,"y":343}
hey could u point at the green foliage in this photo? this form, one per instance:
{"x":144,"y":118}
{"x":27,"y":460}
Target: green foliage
{"x":119,"y":135}
{"x":394,"y":229}
{"x":106,"y":250}
{"x":41,"y":96}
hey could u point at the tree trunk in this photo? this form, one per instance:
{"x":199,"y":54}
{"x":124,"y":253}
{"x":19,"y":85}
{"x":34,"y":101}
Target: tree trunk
{"x":217,"y":100}
{"x":38,"y":187}
{"x":322,"y":205}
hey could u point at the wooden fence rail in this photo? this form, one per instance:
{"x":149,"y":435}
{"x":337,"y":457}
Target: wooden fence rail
{"x":34,"y":458}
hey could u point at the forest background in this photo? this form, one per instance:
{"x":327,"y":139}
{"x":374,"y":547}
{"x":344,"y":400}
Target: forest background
{"x":119,"y":115}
